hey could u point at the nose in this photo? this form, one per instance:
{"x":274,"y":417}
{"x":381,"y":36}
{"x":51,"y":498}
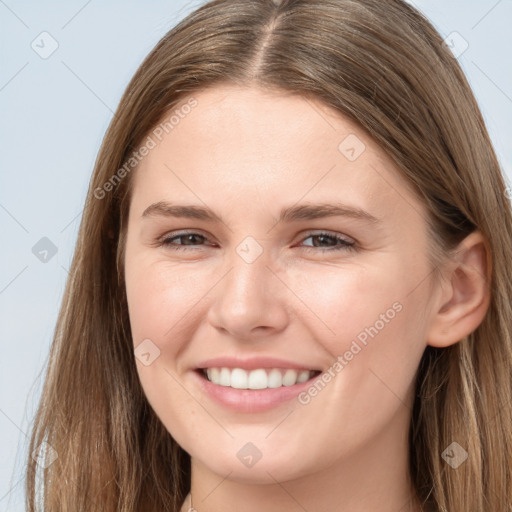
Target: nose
{"x":250,"y":300}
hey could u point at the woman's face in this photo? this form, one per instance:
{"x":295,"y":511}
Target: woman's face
{"x":266,"y":271}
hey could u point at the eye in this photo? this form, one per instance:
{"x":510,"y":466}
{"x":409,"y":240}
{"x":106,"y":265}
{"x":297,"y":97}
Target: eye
{"x":343,"y":244}
{"x":194,"y":239}
{"x":188,"y":237}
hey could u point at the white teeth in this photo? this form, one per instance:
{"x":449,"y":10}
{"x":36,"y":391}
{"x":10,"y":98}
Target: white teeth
{"x":239,"y":378}
{"x":224,"y":377}
{"x":275,"y":379}
{"x":290,"y":378}
{"x":213,"y":374}
{"x":257,"y":379}
{"x":303,"y":376}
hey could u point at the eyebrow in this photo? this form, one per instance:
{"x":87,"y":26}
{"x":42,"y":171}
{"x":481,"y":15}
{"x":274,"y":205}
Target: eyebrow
{"x":293,"y":213}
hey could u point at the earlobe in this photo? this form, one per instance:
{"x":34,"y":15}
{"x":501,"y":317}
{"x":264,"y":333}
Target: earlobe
{"x":465,"y":296}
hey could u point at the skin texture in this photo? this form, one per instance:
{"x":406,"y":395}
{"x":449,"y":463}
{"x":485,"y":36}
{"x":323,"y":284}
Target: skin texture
{"x":247,"y":153}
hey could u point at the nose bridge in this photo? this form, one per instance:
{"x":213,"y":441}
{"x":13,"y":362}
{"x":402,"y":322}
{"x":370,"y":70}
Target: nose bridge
{"x":248,"y":296}
{"x":250,"y":275}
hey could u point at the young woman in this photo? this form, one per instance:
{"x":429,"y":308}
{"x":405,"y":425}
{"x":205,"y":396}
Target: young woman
{"x":290,"y":287}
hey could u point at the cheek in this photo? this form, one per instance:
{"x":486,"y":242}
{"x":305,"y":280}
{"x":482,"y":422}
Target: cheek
{"x":345,"y":300}
{"x":339,"y":304}
{"x":161,"y":301}
{"x":372,"y":327}
{"x":371,"y":316}
{"x":161,"y":298}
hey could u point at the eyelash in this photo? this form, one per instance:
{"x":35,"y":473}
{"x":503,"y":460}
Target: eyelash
{"x":345,"y":245}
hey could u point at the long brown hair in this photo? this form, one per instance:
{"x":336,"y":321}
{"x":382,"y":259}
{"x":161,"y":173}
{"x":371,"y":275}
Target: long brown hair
{"x":379,"y":63}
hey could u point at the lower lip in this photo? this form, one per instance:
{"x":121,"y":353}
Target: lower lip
{"x":251,"y":400}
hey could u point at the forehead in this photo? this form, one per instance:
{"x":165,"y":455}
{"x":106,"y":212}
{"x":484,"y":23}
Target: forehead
{"x":250,"y":143}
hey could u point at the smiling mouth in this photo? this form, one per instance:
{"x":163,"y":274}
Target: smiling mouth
{"x":261,"y":378}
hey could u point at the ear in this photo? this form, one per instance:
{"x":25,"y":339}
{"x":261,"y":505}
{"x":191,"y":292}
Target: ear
{"x":464,"y":296}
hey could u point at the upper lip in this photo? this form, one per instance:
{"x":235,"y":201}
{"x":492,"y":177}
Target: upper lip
{"x":253,"y":363}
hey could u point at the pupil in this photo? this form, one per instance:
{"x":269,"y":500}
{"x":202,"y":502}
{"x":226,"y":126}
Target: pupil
{"x":324,"y":238}
{"x":187,"y":238}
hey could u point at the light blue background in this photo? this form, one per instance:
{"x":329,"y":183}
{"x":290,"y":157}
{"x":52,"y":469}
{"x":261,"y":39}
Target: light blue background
{"x":53,"y":115}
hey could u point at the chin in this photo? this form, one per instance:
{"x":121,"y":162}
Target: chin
{"x":268,"y":469}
